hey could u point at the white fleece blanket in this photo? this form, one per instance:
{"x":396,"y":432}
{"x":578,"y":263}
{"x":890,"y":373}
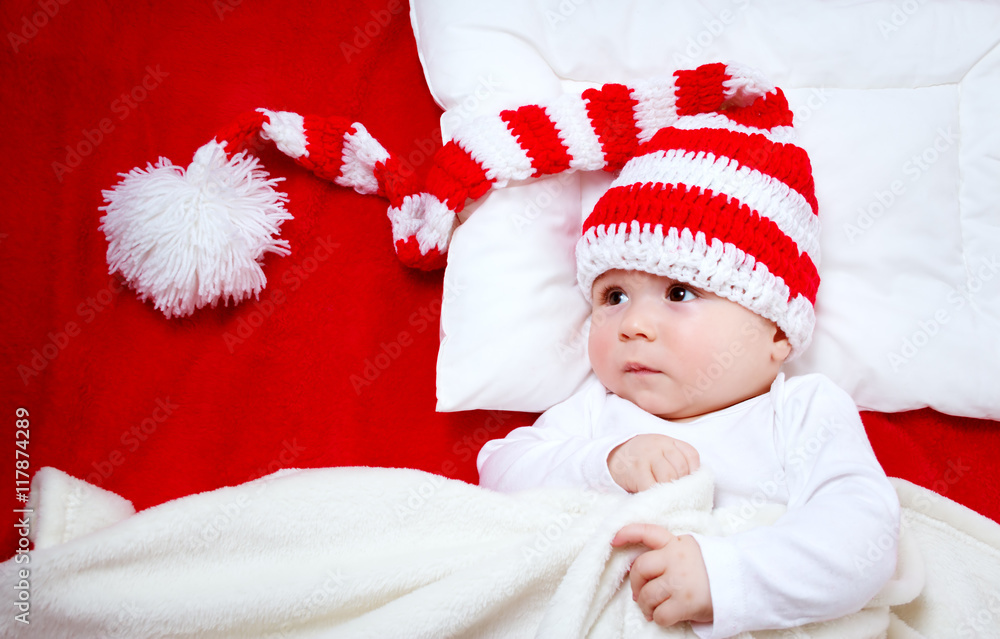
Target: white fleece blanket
{"x":364,"y":552}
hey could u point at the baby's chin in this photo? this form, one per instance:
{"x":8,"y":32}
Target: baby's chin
{"x":655,"y":404}
{"x":664,"y":397}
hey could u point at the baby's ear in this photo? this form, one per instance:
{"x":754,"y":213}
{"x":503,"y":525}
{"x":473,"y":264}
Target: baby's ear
{"x":782,"y":348}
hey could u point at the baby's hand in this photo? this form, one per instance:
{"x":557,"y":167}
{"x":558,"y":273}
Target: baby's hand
{"x":669,"y":581}
{"x":646,"y":460}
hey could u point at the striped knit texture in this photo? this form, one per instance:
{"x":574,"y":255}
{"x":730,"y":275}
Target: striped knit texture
{"x":343,"y":152}
{"x":711,"y":188}
{"x":721,"y":200}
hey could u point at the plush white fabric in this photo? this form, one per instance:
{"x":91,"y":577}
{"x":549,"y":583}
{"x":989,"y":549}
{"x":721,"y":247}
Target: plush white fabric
{"x":896,"y":102}
{"x":73,"y":508}
{"x":365,"y":552}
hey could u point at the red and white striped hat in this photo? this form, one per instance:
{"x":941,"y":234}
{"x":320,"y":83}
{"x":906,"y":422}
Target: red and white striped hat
{"x":720,"y":199}
{"x":711,"y":191}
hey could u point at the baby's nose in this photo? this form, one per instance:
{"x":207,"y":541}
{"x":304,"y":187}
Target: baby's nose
{"x":637,"y":323}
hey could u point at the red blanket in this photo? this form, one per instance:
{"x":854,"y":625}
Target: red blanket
{"x":334,"y":365}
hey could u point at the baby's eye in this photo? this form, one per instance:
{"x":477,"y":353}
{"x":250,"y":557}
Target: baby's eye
{"x":678,"y":293}
{"x":615,"y":297}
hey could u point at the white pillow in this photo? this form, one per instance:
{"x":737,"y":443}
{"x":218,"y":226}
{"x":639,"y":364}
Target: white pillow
{"x":896,"y":102}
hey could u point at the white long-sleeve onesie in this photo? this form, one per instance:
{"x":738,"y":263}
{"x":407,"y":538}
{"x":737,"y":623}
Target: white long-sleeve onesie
{"x":802,"y":444}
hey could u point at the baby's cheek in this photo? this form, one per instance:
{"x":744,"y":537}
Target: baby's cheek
{"x":599,"y":351}
{"x":595,"y":349}
{"x":598,"y":319}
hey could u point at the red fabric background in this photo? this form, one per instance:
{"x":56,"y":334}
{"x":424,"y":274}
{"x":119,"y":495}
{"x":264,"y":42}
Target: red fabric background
{"x":155,"y":409}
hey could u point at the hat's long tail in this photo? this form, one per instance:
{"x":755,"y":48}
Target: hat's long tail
{"x":195,"y":236}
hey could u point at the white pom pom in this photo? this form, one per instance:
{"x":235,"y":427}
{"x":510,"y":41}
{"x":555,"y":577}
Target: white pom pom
{"x":191,"y":238}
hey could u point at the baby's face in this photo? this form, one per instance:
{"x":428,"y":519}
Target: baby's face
{"x":676,"y":351}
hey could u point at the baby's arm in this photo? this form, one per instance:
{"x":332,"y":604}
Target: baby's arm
{"x":836,"y":545}
{"x":563,"y":448}
{"x":566,"y":447}
{"x":535,"y":456}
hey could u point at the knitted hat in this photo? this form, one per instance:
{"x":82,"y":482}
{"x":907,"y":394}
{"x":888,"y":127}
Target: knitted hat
{"x":711,"y":189}
{"x":722,"y":201}
{"x":711,"y":192}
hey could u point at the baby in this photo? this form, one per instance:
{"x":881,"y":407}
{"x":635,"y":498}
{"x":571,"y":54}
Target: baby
{"x":700,"y":265}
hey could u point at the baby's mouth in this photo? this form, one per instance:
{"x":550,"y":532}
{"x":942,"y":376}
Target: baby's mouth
{"x":639,"y":369}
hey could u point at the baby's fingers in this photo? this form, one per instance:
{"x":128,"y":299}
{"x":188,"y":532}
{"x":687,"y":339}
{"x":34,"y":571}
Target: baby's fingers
{"x":637,"y":479}
{"x":689,"y":454}
{"x":667,"y":609}
{"x":683,"y":457}
{"x":675,"y":460}
{"x":648,"y":535}
{"x":668,"y":467}
{"x":654,"y":596}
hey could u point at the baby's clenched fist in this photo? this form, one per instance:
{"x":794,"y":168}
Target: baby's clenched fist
{"x":646,"y":460}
